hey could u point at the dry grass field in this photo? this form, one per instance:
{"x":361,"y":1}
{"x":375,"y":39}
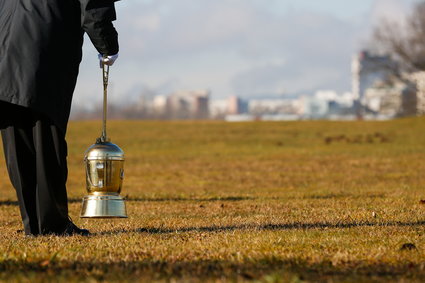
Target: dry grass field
{"x":214,"y":201}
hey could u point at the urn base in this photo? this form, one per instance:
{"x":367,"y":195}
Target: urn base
{"x":103,"y":206}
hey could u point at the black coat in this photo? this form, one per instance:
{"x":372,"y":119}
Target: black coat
{"x":41,"y":49}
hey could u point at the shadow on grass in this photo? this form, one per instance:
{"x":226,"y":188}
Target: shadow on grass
{"x":212,"y":199}
{"x":146,"y":269}
{"x":266,"y":227}
{"x":8,"y":202}
{"x":223,"y":199}
{"x":165,"y":199}
{"x":343,"y":195}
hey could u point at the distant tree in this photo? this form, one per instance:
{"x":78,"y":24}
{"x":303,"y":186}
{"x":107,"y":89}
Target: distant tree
{"x":405,"y":41}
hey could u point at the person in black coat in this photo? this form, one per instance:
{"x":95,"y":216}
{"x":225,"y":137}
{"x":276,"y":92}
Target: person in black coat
{"x":40,"y":52}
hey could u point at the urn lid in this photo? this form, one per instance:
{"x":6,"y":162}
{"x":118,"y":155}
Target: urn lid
{"x":104,"y":151}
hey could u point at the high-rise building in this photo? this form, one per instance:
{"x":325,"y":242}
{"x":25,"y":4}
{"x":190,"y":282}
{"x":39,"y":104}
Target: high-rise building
{"x":367,"y":70}
{"x":188,"y":105}
{"x":236,"y":105}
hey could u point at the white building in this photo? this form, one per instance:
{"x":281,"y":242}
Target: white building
{"x":315,"y":108}
{"x":419,"y":79}
{"x":328,"y":104}
{"x":344,"y":100}
{"x":188,"y":105}
{"x":159,"y":104}
{"x":384,"y":101}
{"x":367,"y":69}
{"x":218,"y":108}
{"x":275,"y":106}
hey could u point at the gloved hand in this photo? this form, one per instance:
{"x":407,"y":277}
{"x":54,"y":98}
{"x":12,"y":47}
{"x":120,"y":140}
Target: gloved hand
{"x":108,"y":60}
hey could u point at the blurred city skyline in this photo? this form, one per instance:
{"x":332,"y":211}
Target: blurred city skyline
{"x":248,"y":48}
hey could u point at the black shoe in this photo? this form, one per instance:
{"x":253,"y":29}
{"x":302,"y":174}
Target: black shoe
{"x":71,"y":230}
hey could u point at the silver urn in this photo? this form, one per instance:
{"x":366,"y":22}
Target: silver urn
{"x":104,"y":162}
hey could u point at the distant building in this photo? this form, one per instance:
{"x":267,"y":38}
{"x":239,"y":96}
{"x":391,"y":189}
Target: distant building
{"x":328,"y":104}
{"x":345,"y":100}
{"x":159,"y":105}
{"x":412,"y":101}
{"x":367,"y":69}
{"x":236,"y":105}
{"x":384,"y":101}
{"x":188,"y":105}
{"x":275,"y":106}
{"x":418,"y":79}
{"x":315,"y":108}
{"x":240,"y":118}
{"x":280,"y":117}
{"x":218,"y":108}
{"x":390,"y":100}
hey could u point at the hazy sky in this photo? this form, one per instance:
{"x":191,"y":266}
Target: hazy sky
{"x":249,"y":48}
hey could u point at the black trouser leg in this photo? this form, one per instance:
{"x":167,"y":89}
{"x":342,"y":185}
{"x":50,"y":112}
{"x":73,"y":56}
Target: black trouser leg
{"x":19,"y":154}
{"x":36,"y":160}
{"x":52,"y":172}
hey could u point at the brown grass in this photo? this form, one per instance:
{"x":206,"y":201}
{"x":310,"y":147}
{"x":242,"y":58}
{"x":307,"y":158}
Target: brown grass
{"x":213,"y":201}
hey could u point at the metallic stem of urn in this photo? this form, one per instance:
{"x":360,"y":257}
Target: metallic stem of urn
{"x":104,"y":162}
{"x":105,"y":72}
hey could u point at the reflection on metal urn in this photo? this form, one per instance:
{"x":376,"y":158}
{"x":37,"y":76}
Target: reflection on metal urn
{"x":104,"y":162}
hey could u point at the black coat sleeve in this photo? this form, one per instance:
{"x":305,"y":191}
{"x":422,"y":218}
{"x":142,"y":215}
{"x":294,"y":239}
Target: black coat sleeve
{"x":96,"y":20}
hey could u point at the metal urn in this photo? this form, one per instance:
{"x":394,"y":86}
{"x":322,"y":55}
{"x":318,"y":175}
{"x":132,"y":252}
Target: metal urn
{"x":104,"y":164}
